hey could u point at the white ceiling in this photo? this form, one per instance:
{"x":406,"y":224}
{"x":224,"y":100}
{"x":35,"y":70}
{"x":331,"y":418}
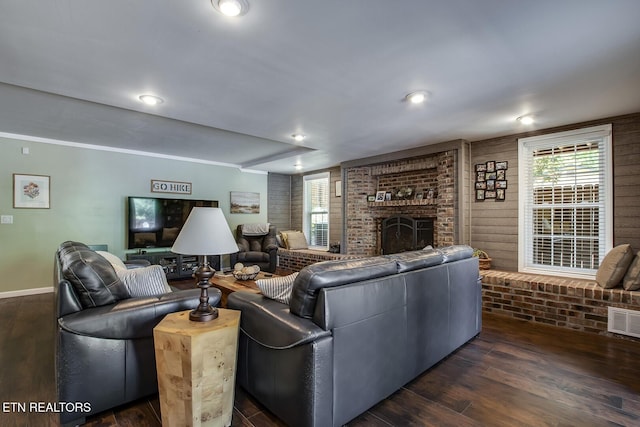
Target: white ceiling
{"x":235,"y":89}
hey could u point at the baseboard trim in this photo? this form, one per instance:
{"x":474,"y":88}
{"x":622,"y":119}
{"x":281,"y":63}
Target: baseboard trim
{"x":26,"y":292}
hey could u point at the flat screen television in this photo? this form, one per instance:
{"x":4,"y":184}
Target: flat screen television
{"x":154,"y":222}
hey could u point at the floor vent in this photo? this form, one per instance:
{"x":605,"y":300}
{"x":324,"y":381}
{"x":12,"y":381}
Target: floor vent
{"x":623,"y":321}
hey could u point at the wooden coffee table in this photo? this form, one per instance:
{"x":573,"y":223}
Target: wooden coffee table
{"x":228,"y":284}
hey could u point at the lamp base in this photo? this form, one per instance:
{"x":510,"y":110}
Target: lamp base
{"x":204,"y":312}
{"x":197,"y":315}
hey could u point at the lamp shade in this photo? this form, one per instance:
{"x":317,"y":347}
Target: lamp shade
{"x":205,"y":232}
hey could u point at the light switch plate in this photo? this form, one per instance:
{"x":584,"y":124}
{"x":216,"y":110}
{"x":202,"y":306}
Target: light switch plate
{"x":6,"y":219}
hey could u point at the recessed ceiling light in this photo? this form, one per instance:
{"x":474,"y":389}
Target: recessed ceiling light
{"x":526,"y":120}
{"x":298,"y":166}
{"x":298,"y":137}
{"x":151,"y":99}
{"x":231,"y":7}
{"x":417,"y":97}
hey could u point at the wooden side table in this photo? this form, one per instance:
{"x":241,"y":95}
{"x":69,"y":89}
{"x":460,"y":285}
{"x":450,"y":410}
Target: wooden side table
{"x":196,"y":364}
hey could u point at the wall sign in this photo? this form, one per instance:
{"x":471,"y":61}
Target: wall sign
{"x":491,"y":181}
{"x":176,"y":187}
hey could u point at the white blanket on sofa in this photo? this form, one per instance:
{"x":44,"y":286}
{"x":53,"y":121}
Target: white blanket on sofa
{"x":255,"y":229}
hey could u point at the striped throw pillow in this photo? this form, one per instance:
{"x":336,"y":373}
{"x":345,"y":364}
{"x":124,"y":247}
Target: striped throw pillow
{"x":145,"y":282}
{"x":278,"y":288}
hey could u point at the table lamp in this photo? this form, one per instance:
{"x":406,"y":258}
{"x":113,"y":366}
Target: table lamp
{"x":205,"y":232}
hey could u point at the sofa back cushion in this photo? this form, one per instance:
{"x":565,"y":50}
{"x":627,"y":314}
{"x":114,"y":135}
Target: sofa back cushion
{"x":455,"y":252}
{"x":334,"y":273}
{"x":93,"y":278}
{"x":414,"y":260}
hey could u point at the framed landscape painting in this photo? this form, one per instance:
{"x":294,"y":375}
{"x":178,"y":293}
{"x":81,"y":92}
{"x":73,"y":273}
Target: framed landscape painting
{"x":245,"y":202}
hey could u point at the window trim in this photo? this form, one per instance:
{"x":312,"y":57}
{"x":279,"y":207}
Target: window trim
{"x":525,"y":147}
{"x":306,"y":227}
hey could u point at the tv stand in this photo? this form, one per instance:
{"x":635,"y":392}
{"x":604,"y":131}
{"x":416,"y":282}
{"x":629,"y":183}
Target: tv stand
{"x":176,"y":266}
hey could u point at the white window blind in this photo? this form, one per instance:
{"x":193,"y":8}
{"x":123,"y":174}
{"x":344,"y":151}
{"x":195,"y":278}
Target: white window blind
{"x":565,"y":191}
{"x":316,"y":212}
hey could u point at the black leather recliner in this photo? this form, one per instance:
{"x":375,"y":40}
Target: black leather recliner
{"x":257,"y":249}
{"x":104,"y":338}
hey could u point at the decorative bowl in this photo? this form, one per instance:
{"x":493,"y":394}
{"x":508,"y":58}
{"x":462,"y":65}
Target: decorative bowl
{"x":244,"y":276}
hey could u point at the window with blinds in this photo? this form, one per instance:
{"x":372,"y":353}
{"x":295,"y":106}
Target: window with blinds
{"x":316,"y":211}
{"x":565,"y":198}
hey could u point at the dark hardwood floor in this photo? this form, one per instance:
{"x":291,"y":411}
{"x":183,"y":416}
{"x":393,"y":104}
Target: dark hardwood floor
{"x":513,"y":374}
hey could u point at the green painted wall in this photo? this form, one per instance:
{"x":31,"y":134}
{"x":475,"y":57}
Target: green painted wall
{"x":88,"y":195}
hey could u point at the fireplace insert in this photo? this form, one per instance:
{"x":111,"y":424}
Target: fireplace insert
{"x":402,"y":233}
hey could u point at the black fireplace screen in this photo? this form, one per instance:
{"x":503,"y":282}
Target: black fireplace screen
{"x":403,"y":233}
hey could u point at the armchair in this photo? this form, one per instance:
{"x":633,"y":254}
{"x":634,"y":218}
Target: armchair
{"x":256,"y":246}
{"x":104,"y":355}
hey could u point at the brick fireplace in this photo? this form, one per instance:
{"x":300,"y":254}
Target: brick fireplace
{"x":432,"y":176}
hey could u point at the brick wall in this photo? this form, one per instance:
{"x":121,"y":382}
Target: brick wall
{"x":295,"y":260}
{"x":558,"y":301}
{"x":434,"y":172}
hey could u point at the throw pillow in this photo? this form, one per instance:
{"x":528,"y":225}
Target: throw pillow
{"x":631,"y":280}
{"x":296,"y":240}
{"x":144,"y":282}
{"x":283,"y":237}
{"x":278,"y":288}
{"x":614,"y":266}
{"x":116,"y":262}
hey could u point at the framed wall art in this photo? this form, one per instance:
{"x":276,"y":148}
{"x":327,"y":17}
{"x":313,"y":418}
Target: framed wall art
{"x":245,"y":202}
{"x":491,"y":180}
{"x":31,"y":191}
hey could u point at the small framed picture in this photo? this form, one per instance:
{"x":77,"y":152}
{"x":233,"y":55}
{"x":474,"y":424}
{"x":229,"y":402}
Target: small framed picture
{"x":491,"y":166}
{"x":481,"y":185}
{"x":479,"y":194}
{"x":387,"y":196}
{"x":371,"y":198}
{"x":501,"y":184}
{"x":502,"y":165}
{"x":500,"y":194}
{"x":489,"y":194}
{"x":31,"y":191}
{"x":491,"y":185}
{"x":419,"y":196}
{"x":480,"y":176}
{"x":380,"y":195}
{"x":481,"y":167}
{"x":491,"y":175}
{"x":501,"y":174}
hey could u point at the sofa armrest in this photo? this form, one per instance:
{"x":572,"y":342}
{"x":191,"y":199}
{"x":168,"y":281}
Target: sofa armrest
{"x":270,"y":323}
{"x":66,"y":299}
{"x":270,"y":248}
{"x":134,"y":317}
{"x":269,"y":243}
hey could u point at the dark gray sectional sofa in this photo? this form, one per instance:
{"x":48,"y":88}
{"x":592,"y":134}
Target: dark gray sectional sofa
{"x":355,"y":331}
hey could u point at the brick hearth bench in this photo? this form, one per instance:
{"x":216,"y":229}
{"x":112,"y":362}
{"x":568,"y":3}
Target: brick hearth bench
{"x":566,"y":302}
{"x":290,"y":260}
